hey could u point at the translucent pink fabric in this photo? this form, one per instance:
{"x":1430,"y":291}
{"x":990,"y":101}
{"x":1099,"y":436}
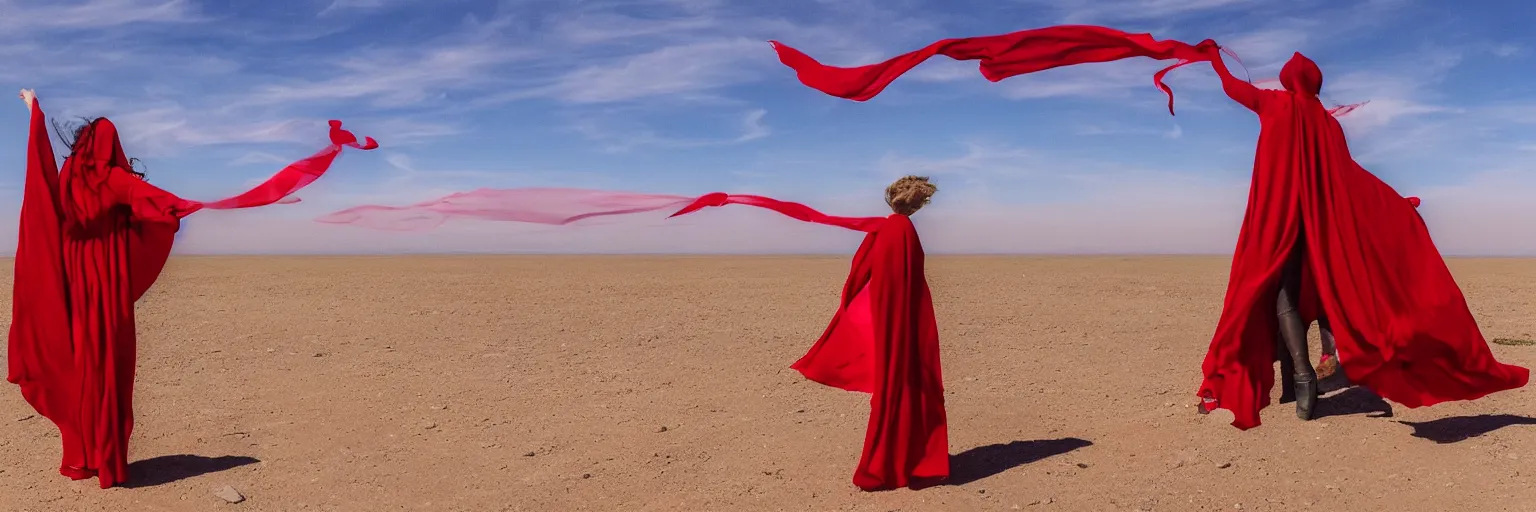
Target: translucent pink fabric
{"x":535,"y":205}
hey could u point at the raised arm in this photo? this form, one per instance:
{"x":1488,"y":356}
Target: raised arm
{"x":148,"y":202}
{"x":1239,"y":90}
{"x":40,"y":159}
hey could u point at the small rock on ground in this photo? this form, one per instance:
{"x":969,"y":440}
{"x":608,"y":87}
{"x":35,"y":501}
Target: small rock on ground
{"x":229,"y":494}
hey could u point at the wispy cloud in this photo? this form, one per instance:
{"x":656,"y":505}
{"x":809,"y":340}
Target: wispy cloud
{"x":629,"y":136}
{"x":673,"y":70}
{"x":28,"y":16}
{"x":1086,"y":11}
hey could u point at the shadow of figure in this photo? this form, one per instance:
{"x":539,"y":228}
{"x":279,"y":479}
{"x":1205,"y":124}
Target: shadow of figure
{"x":171,"y":468}
{"x":1355,"y":400}
{"x":985,"y":461}
{"x":1456,"y":429}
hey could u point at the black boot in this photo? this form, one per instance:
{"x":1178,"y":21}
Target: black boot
{"x":1287,"y":372}
{"x":1306,"y":396}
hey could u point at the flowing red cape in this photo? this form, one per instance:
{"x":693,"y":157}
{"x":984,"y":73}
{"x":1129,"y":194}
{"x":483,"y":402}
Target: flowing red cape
{"x":1401,"y":325}
{"x":92,"y":240}
{"x":1001,"y":56}
{"x":883,"y":340}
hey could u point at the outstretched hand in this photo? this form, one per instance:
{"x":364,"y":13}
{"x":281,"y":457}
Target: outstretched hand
{"x":29,"y":97}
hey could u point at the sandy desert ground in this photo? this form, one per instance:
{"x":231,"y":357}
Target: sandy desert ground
{"x":660,"y":383}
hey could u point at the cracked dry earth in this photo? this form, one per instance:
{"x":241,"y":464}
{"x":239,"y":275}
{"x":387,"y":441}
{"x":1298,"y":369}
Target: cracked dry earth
{"x":660,"y":383}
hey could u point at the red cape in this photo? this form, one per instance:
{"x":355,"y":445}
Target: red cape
{"x":883,"y":340}
{"x":1401,"y":324}
{"x":92,"y":240}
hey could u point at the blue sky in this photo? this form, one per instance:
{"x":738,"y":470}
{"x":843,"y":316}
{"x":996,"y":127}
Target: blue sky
{"x":686,"y":96}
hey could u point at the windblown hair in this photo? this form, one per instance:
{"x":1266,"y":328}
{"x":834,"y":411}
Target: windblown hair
{"x":70,"y":134}
{"x":909,"y":194}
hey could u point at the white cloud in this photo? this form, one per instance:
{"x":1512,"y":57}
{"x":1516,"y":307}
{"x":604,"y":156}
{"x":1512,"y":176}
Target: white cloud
{"x":92,"y":14}
{"x":397,"y":78}
{"x":261,"y":158}
{"x":1089,"y":11}
{"x":673,"y":70}
{"x":1508,"y":50}
{"x":622,"y":136}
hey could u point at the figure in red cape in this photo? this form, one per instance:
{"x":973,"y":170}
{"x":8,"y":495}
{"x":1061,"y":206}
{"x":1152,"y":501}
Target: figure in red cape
{"x":883,"y":340}
{"x":1324,"y":237}
{"x":93,"y":238}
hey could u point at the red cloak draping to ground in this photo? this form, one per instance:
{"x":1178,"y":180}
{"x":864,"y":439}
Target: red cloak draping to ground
{"x":92,"y":240}
{"x":883,"y":340}
{"x":1401,"y":324}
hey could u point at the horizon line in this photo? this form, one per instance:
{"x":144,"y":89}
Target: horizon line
{"x":745,"y":254}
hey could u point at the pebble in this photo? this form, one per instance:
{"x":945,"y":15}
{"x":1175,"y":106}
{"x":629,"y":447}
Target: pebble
{"x":1081,"y":465}
{"x":585,"y":476}
{"x":662,"y":429}
{"x":529,"y":454}
{"x":429,"y":425}
{"x":1224,"y":465}
{"x":229,"y":494}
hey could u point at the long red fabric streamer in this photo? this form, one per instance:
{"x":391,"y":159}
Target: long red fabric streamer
{"x":560,"y":206}
{"x":296,"y":175}
{"x":1001,"y":56}
{"x":794,"y":210}
{"x":92,"y":239}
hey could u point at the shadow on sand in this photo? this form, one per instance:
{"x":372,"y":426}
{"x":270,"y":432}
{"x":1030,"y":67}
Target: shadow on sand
{"x":170,"y":468}
{"x":1355,"y":400}
{"x":1456,"y":429}
{"x":985,"y":461}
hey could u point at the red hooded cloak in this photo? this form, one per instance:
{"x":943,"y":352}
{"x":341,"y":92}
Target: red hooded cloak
{"x":92,"y":240}
{"x":1401,"y":325}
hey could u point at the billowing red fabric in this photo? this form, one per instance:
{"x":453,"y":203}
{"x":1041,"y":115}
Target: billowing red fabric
{"x":793,"y":210}
{"x":297,"y":175}
{"x":1001,"y":56}
{"x":92,"y":240}
{"x":1401,"y":324}
{"x":883,"y":340}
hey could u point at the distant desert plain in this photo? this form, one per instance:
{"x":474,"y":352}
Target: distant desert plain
{"x":661,"y":383}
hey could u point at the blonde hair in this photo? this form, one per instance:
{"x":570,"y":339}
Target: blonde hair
{"x":909,"y":194}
